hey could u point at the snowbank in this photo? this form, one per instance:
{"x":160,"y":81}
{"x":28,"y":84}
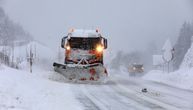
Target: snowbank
{"x":182,"y":78}
{"x":23,"y":91}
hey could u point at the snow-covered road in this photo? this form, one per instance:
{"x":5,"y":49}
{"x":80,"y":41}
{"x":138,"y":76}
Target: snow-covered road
{"x":124,"y":93}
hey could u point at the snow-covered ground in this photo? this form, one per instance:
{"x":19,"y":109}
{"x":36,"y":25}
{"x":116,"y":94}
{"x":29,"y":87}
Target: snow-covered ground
{"x":24,"y":91}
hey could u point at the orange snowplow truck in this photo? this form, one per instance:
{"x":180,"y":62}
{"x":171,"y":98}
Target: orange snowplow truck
{"x":83,"y":56}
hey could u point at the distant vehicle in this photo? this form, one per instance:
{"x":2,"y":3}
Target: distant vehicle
{"x":136,"y":68}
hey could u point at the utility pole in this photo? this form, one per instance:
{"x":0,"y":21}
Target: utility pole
{"x":12,"y":62}
{"x":35,"y":56}
{"x":31,"y":59}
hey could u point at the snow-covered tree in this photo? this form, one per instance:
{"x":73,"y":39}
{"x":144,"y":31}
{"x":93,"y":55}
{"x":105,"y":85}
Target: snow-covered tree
{"x":10,"y":31}
{"x":11,"y":35}
{"x":183,"y":44}
{"x":167,"y":51}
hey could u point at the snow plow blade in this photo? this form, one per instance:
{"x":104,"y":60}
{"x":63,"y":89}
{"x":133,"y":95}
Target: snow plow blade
{"x":91,"y":72}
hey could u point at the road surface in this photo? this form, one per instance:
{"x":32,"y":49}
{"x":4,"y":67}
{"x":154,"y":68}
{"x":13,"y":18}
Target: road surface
{"x":124,"y":93}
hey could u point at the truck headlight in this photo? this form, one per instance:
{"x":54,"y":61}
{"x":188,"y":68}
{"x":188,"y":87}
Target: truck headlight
{"x":68,"y":47}
{"x":99,"y":48}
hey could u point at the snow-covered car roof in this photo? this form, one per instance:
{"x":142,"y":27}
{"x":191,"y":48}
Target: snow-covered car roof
{"x":84,"y":33}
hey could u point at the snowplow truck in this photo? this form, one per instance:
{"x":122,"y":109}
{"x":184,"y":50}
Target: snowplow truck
{"x":83,"y":56}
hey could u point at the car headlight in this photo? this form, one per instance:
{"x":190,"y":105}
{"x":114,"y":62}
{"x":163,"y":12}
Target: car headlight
{"x":99,"y":48}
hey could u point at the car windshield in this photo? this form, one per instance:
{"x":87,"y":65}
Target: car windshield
{"x":138,"y":66}
{"x":83,"y":43}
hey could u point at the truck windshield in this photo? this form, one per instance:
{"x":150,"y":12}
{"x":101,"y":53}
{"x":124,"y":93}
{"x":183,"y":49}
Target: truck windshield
{"x":83,"y":43}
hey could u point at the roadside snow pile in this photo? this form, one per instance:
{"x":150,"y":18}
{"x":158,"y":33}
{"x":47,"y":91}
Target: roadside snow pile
{"x":23,"y":91}
{"x":182,"y":78}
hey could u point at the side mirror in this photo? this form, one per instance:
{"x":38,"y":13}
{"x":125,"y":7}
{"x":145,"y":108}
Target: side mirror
{"x":63,"y":43}
{"x":105,"y":43}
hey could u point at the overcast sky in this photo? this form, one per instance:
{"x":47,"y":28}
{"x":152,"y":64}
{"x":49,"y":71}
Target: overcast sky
{"x":128,"y":24}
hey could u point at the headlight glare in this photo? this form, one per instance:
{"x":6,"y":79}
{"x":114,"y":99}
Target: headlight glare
{"x":68,"y":47}
{"x":99,"y":48}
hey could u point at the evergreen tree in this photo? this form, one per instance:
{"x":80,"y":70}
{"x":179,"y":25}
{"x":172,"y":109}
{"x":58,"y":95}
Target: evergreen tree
{"x":10,"y":32}
{"x":183,"y":44}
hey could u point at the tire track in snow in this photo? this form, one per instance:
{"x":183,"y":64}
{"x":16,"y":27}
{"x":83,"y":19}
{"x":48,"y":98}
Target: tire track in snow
{"x":163,"y":93}
{"x":133,"y":99}
{"x":156,"y":103}
{"x":138,"y":100}
{"x":87,"y":103}
{"x":96,"y":101}
{"x":111,"y":99}
{"x":84,"y":99}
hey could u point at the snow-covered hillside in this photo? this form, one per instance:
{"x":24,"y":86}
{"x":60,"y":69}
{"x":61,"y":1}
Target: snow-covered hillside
{"x":40,"y":51}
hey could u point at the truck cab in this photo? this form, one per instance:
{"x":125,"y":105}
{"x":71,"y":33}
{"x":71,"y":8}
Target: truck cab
{"x":84,"y":47}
